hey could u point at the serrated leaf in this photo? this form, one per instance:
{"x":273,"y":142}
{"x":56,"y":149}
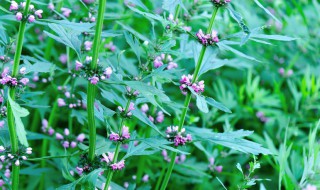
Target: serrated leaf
{"x":67,"y":36}
{"x":19,"y":112}
{"x":139,"y":115}
{"x":134,"y":44}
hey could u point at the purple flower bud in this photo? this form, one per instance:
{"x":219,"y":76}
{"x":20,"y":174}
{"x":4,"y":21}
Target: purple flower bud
{"x":51,"y":6}
{"x":38,"y":13}
{"x":14,"y":6}
{"x":31,"y":18}
{"x":73,"y":144}
{"x":59,"y":136}
{"x":81,"y":137}
{"x":19,"y":16}
{"x":66,"y":132}
{"x":94,"y":80}
{"x":24,"y":81}
{"x":66,"y":144}
{"x":125,"y":132}
{"x":66,"y":12}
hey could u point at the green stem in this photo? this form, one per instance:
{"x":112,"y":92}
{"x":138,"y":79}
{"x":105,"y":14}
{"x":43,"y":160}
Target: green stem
{"x":176,"y":13}
{"x":117,"y":151}
{"x":160,"y":178}
{"x":11,"y":123}
{"x":187,"y":102}
{"x":92,"y":88}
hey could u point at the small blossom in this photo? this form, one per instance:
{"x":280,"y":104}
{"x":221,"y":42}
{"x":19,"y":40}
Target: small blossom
{"x":81,"y":137}
{"x":38,"y":13}
{"x":51,"y":6}
{"x":160,"y":117}
{"x":2,"y":149}
{"x":144,"y":108}
{"x":24,"y":81}
{"x":118,"y":166}
{"x":17,"y":163}
{"x":63,"y":58}
{"x":310,"y":187}
{"x":29,"y":150}
{"x":31,"y":18}
{"x":19,"y":16}
{"x":66,"y":12}
{"x":66,"y":132}
{"x":131,"y":107}
{"x":207,"y":39}
{"x":14,"y":6}
{"x":125,"y":132}
{"x":107,"y":72}
{"x":88,"y":45}
{"x":61,"y":102}
{"x":59,"y":136}
{"x":66,"y":144}
{"x":94,"y":80}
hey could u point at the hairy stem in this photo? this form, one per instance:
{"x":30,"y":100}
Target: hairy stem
{"x":187,"y":102}
{"x":11,"y":124}
{"x":92,"y":88}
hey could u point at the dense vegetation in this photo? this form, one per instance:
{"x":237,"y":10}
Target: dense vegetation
{"x":170,"y":94}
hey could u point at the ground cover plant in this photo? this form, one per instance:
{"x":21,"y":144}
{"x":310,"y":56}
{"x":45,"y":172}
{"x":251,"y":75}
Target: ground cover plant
{"x":169,"y":94}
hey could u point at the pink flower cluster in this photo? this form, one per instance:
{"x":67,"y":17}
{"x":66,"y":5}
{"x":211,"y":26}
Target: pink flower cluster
{"x":131,"y":94}
{"x":7,"y":156}
{"x":212,"y":167}
{"x":179,"y":138}
{"x":219,"y":3}
{"x":94,"y":77}
{"x":179,"y":159}
{"x":110,"y":47}
{"x":261,"y":116}
{"x":186,"y":81}
{"x":285,"y":73}
{"x":164,"y":59}
{"x":19,"y":9}
{"x":207,"y":39}
{"x":68,"y":140}
{"x":118,"y":166}
{"x":159,"y":117}
{"x":125,"y":134}
{"x":69,"y":99}
{"x":20,"y":80}
{"x":126,"y":113}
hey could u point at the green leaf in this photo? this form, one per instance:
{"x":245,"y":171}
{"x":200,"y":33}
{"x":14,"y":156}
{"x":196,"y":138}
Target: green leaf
{"x":19,"y":112}
{"x":273,"y":37}
{"x":223,"y":45}
{"x":266,"y":10}
{"x":233,"y":140}
{"x":134,"y":44}
{"x":138,"y":3}
{"x":67,"y":36}
{"x":217,"y":105}
{"x":201,"y":101}
{"x":139,"y":115}
{"x":150,"y":92}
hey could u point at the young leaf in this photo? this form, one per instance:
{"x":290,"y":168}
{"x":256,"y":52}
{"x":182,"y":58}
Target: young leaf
{"x":266,"y":10}
{"x":134,"y":44}
{"x":19,"y":112}
{"x":217,"y":105}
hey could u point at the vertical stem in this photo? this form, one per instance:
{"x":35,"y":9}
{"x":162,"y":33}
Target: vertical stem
{"x":187,"y":101}
{"x":91,"y":87}
{"x":116,"y":152}
{"x":176,"y":13}
{"x":12,"y":128}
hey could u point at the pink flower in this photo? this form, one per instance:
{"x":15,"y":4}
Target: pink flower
{"x":78,"y":65}
{"x":118,"y":166}
{"x":66,"y":12}
{"x":219,"y":169}
{"x":172,"y":65}
{"x":66,"y":144}
{"x":94,"y":80}
{"x":114,"y":137}
{"x":88,"y":1}
{"x":38,"y":13}
{"x":81,"y":137}
{"x":66,"y":132}
{"x":19,"y":16}
{"x":145,"y":178}
{"x":51,"y":6}
{"x":73,"y":144}
{"x":88,"y":45}
{"x":310,"y":187}
{"x":125,"y":132}
{"x":63,"y":58}
{"x":79,"y":170}
{"x":17,"y":163}
{"x":160,"y":117}
{"x":144,"y":108}
{"x":23,"y":70}
{"x":24,"y":81}
{"x":59,"y":136}
{"x":14,"y":6}
{"x":107,"y":72}
{"x":61,"y":102}
{"x":31,"y":19}
{"x":50,"y":131}
{"x":131,"y":107}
